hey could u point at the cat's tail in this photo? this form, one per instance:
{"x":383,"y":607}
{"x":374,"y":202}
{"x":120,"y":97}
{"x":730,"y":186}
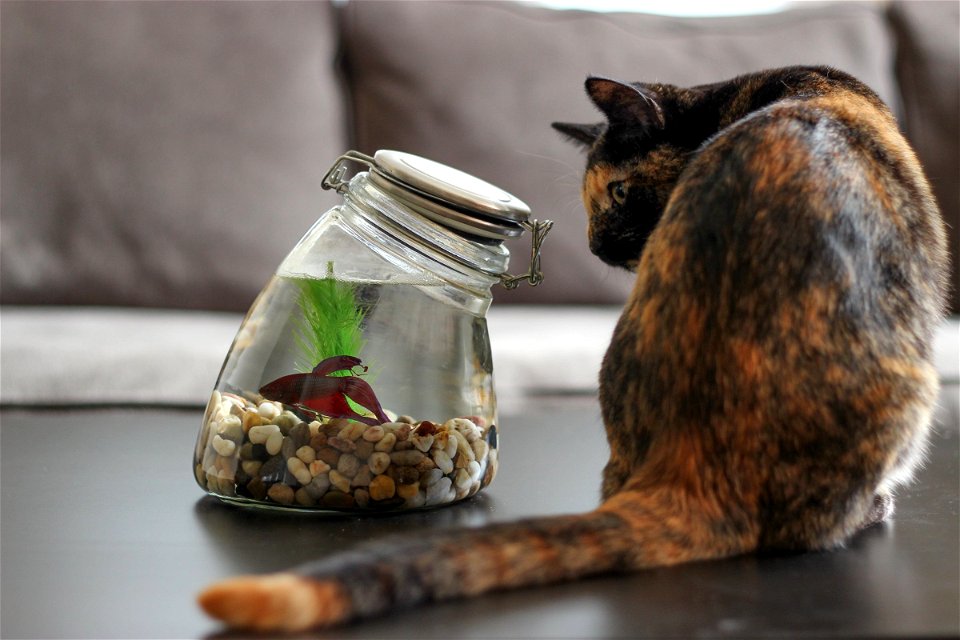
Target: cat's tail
{"x":629,"y":532}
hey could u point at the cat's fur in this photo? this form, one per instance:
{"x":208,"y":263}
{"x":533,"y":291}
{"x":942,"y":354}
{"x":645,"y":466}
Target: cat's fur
{"x":769,"y":382}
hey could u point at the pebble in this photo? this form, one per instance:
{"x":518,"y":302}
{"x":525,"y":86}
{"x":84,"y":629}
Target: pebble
{"x":443,"y":461}
{"x":251,"y":467}
{"x":274,"y":443}
{"x":407,"y":491}
{"x":379,"y":461}
{"x":386,"y":443}
{"x":267,"y":452}
{"x":382,"y":488}
{"x":363,"y":477}
{"x":224,"y":447}
{"x":437,"y":492}
{"x":306,"y":454}
{"x":303,"y":497}
{"x":280,"y":493}
{"x":259,"y":434}
{"x":423,"y":443}
{"x":348,"y":465}
{"x":410,"y":457}
{"x":299,"y":470}
{"x":373,"y":434}
{"x":268,"y":410}
{"x":317,"y":467}
{"x":362,"y":497}
{"x":342,"y":444}
{"x":318,"y":486}
{"x":340,"y":481}
{"x":353,"y":431}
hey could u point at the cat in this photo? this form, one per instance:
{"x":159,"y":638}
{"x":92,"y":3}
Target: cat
{"x":769,"y":383}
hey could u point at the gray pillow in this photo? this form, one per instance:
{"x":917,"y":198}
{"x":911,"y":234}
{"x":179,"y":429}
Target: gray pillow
{"x":162,"y":153}
{"x":928,"y":69}
{"x":476,"y":85}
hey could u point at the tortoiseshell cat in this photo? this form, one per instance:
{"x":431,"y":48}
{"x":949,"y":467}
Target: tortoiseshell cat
{"x":769,"y":383}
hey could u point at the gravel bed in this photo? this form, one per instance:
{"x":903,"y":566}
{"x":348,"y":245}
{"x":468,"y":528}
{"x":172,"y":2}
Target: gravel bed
{"x":264,"y":452}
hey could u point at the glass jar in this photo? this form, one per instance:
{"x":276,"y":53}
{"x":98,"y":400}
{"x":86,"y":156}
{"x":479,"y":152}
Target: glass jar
{"x":361,"y":378}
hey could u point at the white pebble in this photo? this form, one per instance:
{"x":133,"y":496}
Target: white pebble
{"x":480,"y":449}
{"x":353,"y":431}
{"x":306,"y":454}
{"x":461,"y":483}
{"x":431,"y":476}
{"x":268,"y":410}
{"x":437,"y":493}
{"x":423,"y":443}
{"x":224,"y":447}
{"x":259,"y":435}
{"x":379,"y":461}
{"x":386,"y":443}
{"x":299,"y":470}
{"x":373,"y":434}
{"x":274,"y":442}
{"x":443,"y":461}
{"x":340,"y":481}
{"x":228,"y":422}
{"x":463,"y":446}
{"x":451,"y":447}
{"x":318,"y":467}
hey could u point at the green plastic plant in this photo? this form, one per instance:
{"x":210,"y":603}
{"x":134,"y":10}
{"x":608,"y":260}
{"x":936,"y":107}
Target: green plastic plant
{"x":331,"y":321}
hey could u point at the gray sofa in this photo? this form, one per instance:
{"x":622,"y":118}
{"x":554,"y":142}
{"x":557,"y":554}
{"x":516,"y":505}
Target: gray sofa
{"x":159,"y":160}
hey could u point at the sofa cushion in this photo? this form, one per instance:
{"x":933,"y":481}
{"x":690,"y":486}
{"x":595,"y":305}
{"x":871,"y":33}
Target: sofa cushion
{"x":161,"y":153}
{"x":928,"y":70}
{"x":476,"y":85}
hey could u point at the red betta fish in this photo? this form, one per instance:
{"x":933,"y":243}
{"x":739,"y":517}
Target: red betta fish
{"x":325,"y":394}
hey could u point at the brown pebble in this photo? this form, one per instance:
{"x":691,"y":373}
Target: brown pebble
{"x":363,"y":477}
{"x":257,"y":489}
{"x":281,"y":493}
{"x":318,"y":440}
{"x":364,"y":449}
{"x":426,"y":428}
{"x":362,"y":497}
{"x":348,"y":465}
{"x":407,"y":491}
{"x":342,"y":444}
{"x":300,"y":434}
{"x":303,"y":498}
{"x":409,"y":457}
{"x":328,"y":455}
{"x":382,"y":488}
{"x":407,"y":475}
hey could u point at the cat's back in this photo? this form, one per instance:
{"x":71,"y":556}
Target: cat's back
{"x":807,"y":212}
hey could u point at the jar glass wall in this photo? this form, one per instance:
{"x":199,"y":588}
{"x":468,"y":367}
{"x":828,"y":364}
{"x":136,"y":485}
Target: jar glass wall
{"x":361,"y":378}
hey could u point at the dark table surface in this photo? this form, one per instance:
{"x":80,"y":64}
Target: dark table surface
{"x":104,"y":534}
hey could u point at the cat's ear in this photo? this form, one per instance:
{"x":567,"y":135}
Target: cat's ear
{"x":584,"y":134}
{"x":624,"y":103}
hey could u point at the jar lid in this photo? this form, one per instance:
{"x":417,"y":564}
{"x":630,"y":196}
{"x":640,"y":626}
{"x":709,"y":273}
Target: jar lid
{"x":450,"y":186}
{"x":450,"y":198}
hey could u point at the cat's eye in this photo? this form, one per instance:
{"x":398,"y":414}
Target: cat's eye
{"x":618,"y":191}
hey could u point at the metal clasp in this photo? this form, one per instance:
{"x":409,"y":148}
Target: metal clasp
{"x":538,"y":230}
{"x":334,"y":177}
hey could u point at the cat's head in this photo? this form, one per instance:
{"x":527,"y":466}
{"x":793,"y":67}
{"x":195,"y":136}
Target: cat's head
{"x":634,"y":160}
